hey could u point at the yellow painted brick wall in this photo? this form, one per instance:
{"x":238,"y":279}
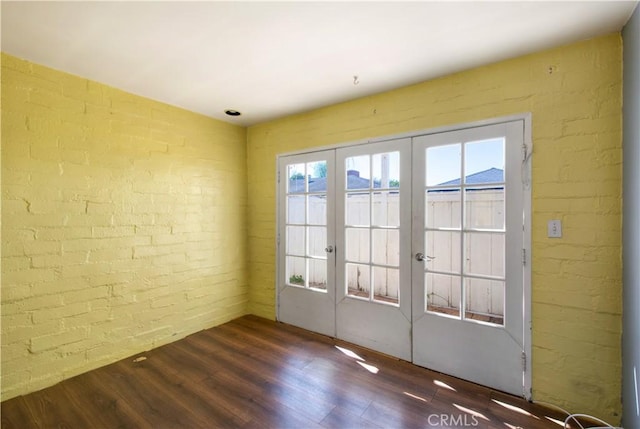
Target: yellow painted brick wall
{"x":574,"y":94}
{"x":123,"y":225}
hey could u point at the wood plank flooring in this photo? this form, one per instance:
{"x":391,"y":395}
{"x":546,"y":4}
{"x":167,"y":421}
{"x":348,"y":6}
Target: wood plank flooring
{"x":255,"y":373}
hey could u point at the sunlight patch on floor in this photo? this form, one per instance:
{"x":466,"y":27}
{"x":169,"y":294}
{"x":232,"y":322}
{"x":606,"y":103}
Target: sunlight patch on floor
{"x":514,"y":408}
{"x":372,"y":369}
{"x":411,"y":395}
{"x":349,"y":353}
{"x":558,"y":422}
{"x":443,"y":384}
{"x":471,"y":412}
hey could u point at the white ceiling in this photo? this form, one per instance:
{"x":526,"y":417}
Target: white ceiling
{"x":272,"y":59}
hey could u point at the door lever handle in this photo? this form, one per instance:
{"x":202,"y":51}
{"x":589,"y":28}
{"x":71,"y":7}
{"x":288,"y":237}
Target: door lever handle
{"x":328,"y":249}
{"x":421,"y":257}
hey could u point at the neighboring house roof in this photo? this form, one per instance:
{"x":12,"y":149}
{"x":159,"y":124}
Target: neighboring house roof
{"x":319,"y":184}
{"x":316,"y":184}
{"x":491,"y":175}
{"x":354,"y":181}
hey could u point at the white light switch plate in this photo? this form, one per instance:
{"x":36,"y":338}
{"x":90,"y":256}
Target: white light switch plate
{"x":554,"y":229}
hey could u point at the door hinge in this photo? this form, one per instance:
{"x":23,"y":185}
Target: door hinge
{"x":278,"y":176}
{"x":525,"y":152}
{"x":524,"y":257}
{"x":524,"y":362}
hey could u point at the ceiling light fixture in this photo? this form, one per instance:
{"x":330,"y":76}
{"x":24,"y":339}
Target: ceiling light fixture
{"x":232,"y":112}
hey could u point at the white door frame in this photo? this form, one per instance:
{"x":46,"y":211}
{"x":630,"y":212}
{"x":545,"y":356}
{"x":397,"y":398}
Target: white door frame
{"x":526,"y":180}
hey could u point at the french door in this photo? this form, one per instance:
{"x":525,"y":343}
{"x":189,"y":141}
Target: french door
{"x":413,"y":247}
{"x":468,"y":241}
{"x":373,"y":236}
{"x":306,"y":258}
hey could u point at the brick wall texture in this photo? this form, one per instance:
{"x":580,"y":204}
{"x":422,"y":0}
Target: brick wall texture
{"x":574,"y":94}
{"x":123,"y":225}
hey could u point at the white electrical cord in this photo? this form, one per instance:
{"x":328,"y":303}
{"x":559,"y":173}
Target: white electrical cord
{"x":571,"y":416}
{"x":554,"y":406}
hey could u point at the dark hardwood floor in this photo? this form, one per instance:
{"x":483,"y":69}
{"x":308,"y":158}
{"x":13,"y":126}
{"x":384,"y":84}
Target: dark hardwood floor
{"x":256,"y":373}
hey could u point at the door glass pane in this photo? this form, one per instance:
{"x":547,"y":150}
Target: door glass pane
{"x":358,"y":172}
{"x":296,"y":174}
{"x":386,"y":170}
{"x":317,"y":212}
{"x":317,"y":176}
{"x":296,"y":240}
{"x":443,"y":165}
{"x":386,"y":247}
{"x":484,"y":254}
{"x":484,"y":208}
{"x":358,"y":280}
{"x":377,"y":218}
{"x":317,"y":236}
{"x":296,"y":271}
{"x":442,"y":251}
{"x":357,"y":244}
{"x":386,"y":208}
{"x":295,"y":209}
{"x":318,"y":274}
{"x":484,"y":161}
{"x":443,"y":294}
{"x":358,"y":209}
{"x":484,"y":300}
{"x":386,"y":282}
{"x":443,"y":208}
{"x":306,"y":204}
